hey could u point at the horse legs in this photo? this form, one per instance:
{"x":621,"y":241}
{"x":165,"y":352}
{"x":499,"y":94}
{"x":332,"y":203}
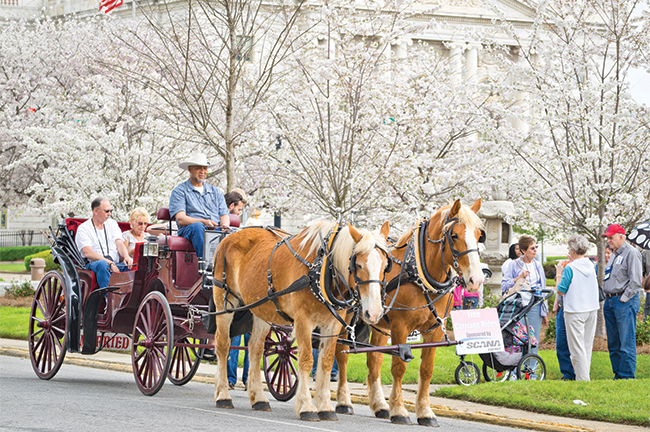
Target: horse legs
{"x":256,"y":395}
{"x":222,"y":342}
{"x":377,"y":400}
{"x":425,"y":415}
{"x":303,"y":405}
{"x":398,"y":412}
{"x":322,"y":397}
{"x":344,"y":402}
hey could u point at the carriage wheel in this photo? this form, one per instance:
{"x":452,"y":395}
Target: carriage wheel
{"x":492,"y":375}
{"x":185,"y":362}
{"x":153,"y":340}
{"x":48,"y":326}
{"x":531,"y":367}
{"x":280,"y":364}
{"x":467,"y":374}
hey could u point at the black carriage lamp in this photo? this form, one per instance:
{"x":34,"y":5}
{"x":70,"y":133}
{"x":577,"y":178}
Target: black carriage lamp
{"x":150,"y":250}
{"x":151,"y":246}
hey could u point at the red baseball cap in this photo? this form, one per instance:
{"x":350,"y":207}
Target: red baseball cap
{"x":614,"y":229}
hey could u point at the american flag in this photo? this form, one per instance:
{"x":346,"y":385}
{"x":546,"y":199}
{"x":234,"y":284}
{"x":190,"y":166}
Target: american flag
{"x":109,"y":5}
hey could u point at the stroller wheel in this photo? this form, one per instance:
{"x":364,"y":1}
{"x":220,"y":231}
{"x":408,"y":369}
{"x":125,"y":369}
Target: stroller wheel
{"x":531,"y":367}
{"x":492,"y":375}
{"x":467,"y":374}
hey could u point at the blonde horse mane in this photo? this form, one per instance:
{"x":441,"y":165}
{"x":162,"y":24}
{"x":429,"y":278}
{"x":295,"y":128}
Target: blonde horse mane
{"x":465,"y":216}
{"x":344,"y":245}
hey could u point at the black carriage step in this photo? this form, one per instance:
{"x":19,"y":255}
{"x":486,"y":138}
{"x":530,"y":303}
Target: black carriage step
{"x":91,"y":310}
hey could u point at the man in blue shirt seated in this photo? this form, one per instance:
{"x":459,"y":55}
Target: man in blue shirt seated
{"x":196,"y":205}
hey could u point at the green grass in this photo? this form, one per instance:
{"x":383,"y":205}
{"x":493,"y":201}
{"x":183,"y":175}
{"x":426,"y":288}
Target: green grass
{"x":623,"y":401}
{"x":447,"y":361}
{"x":14,"y":322}
{"x":12,"y":267}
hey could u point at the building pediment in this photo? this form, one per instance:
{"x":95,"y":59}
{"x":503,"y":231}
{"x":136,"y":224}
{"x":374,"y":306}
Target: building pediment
{"x":474,"y":10}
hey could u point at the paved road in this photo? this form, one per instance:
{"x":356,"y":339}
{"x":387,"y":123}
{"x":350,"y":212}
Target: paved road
{"x":83,"y":399}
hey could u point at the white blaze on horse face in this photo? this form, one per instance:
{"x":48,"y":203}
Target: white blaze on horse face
{"x":476,"y":277}
{"x":372,"y":305}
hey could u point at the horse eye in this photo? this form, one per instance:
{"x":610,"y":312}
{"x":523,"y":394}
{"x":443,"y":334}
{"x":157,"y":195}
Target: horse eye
{"x":454,"y":236}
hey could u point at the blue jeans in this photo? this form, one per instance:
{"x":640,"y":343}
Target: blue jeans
{"x":102,"y":271}
{"x":535,"y":321}
{"x":620,"y":322}
{"x":335,"y":366}
{"x":233,"y":360}
{"x":470,"y":303}
{"x":194,"y":233}
{"x":562,"y":348}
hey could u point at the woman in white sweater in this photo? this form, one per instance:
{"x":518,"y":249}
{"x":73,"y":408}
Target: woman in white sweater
{"x":579,"y":286}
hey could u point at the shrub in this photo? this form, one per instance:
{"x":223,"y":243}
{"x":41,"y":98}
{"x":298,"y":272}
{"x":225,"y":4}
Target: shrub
{"x":549,"y":269}
{"x":23,"y":290}
{"x":549,"y":334}
{"x":642,"y":331}
{"x":19,"y":252}
{"x":47,"y":256}
{"x":489,"y":299}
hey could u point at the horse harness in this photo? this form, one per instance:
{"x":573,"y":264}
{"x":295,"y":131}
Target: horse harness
{"x":414,"y":270}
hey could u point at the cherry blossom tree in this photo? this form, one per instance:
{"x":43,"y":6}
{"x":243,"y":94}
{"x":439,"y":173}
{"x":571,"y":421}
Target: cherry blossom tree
{"x":80,"y":132}
{"x":211,"y":63}
{"x":370,"y":122}
{"x":584,"y":152}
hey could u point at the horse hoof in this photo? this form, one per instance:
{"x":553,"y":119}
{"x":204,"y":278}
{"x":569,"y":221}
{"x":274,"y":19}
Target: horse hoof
{"x":428,"y":421}
{"x":400,"y":420}
{"x":328,"y":416}
{"x":225,"y":403}
{"x":262,"y":406}
{"x":382,"y":414}
{"x":309,"y":416}
{"x":345,"y":409}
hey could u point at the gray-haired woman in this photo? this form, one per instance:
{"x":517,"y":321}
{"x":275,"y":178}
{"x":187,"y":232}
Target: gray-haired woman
{"x":579,"y":286}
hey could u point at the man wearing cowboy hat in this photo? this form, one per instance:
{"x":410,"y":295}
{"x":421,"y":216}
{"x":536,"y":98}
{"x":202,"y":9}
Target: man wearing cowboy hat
{"x":621,"y":286}
{"x":196,"y":205}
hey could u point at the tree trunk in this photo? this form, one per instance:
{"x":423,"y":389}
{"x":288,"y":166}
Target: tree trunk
{"x":600,"y":320}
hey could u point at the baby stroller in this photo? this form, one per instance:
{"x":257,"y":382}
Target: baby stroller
{"x":518,"y":338}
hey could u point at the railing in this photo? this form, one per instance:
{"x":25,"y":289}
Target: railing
{"x":22,"y":237}
{"x":10,"y":2}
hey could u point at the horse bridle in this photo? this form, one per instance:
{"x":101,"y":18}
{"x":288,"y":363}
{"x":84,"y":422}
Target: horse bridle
{"x":446,"y":238}
{"x":358,"y":281}
{"x":354,"y":300}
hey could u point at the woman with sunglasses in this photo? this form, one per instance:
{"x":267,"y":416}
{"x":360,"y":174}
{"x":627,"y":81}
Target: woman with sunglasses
{"x":139,"y":220}
{"x":527,"y":269}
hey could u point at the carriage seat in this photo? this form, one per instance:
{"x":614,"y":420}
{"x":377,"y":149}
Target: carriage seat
{"x":178,"y":243}
{"x":73,"y":224}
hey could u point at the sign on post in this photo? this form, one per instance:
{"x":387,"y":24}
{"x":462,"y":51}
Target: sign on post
{"x":479,"y":329}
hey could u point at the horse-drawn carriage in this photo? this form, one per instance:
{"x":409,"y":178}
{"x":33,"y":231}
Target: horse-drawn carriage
{"x":158,"y":302}
{"x":325,"y":276}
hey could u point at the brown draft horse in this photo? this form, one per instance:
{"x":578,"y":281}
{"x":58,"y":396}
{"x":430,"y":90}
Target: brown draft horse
{"x":407,"y":310}
{"x":252,"y":252}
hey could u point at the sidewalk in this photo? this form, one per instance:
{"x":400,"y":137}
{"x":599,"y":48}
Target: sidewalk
{"x":442,"y":407}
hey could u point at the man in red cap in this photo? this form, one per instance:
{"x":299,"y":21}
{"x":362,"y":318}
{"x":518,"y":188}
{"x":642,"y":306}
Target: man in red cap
{"x":621,"y":287}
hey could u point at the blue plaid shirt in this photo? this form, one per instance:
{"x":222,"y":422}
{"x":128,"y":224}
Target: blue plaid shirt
{"x":209,"y":205}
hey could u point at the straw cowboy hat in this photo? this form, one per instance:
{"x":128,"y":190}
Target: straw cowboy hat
{"x":197,"y":159}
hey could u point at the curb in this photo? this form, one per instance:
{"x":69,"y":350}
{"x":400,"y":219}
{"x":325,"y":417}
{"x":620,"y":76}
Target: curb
{"x":441,"y":411}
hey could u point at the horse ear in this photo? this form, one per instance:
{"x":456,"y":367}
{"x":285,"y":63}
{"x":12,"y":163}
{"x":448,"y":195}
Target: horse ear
{"x":385,"y":230}
{"x":455,"y":208}
{"x":476,"y":206}
{"x":354,"y":233}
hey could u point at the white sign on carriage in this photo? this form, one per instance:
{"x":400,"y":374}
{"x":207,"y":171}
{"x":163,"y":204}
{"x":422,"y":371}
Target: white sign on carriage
{"x":479,"y":329}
